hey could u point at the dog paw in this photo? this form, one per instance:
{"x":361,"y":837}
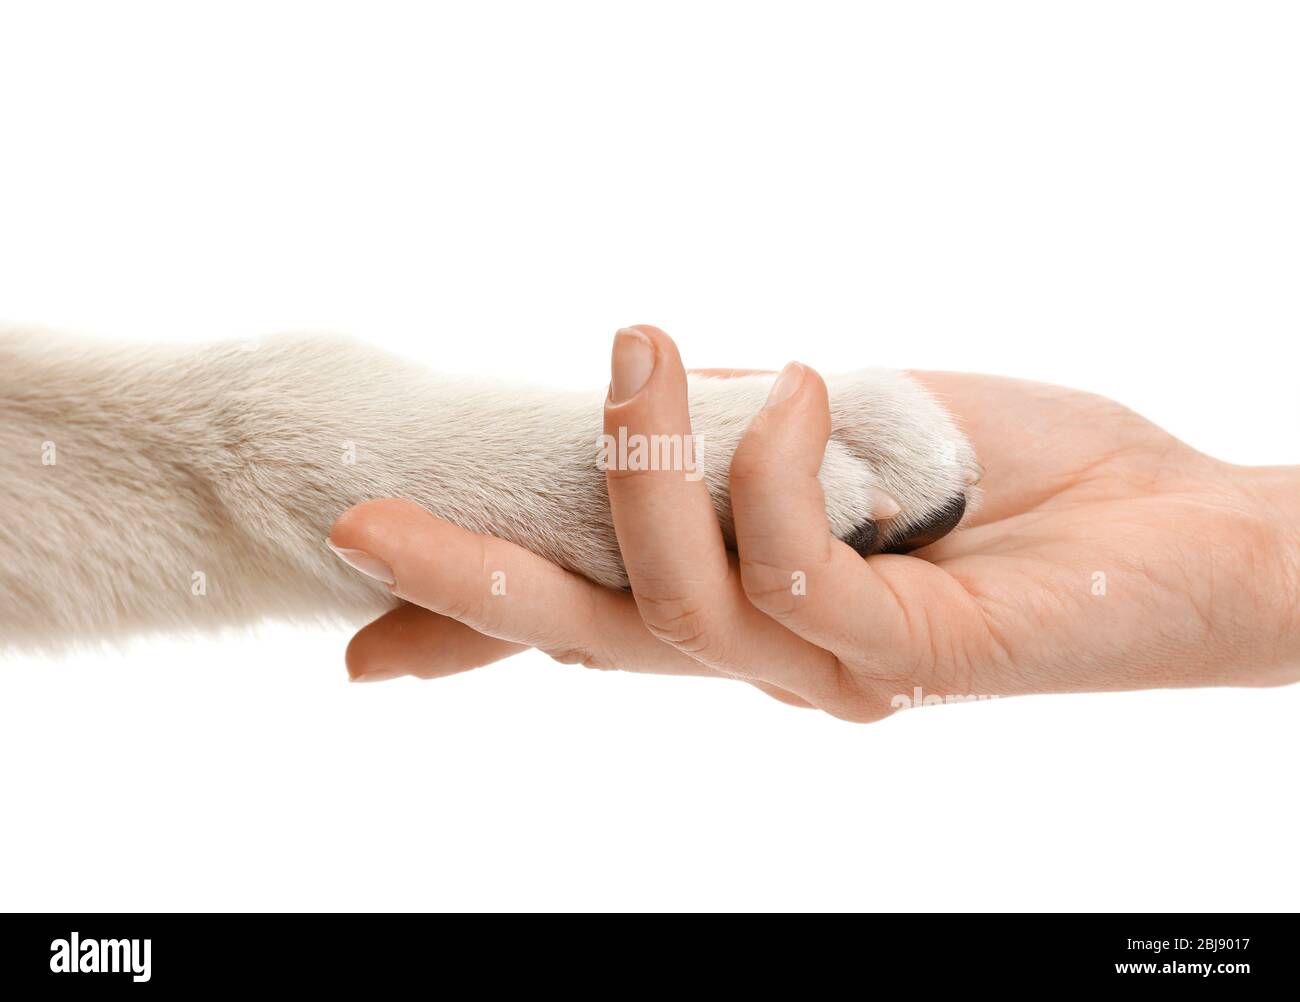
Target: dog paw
{"x":915,"y":453}
{"x":897,"y":473}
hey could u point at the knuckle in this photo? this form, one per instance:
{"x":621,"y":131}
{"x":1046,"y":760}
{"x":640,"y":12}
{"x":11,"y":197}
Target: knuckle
{"x":781,"y":588}
{"x":862,"y":700}
{"x":686,"y":625}
{"x":467,"y":606}
{"x":858,"y":713}
{"x":468,"y":602}
{"x":662,"y":469}
{"x":583,"y":656}
{"x":749,"y":466}
{"x":769,"y":588}
{"x":858,"y":708}
{"x":621,"y":474}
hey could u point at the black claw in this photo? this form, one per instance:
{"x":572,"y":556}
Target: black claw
{"x":933,"y":529}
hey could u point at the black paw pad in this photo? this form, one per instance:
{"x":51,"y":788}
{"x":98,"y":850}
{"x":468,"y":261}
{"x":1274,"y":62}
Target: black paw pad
{"x":932,"y":529}
{"x":864,"y":538}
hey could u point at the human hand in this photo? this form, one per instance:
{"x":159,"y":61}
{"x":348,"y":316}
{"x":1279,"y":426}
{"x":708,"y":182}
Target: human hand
{"x":1105,"y":554}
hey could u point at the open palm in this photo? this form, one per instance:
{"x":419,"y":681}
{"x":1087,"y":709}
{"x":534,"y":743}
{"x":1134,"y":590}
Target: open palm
{"x":1105,"y":554}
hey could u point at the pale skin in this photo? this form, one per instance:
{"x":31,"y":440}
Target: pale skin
{"x":1104,"y":554}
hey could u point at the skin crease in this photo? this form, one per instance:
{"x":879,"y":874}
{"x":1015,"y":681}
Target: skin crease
{"x":1200,"y":562}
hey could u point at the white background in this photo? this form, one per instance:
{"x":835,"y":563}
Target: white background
{"x":1099,"y":194}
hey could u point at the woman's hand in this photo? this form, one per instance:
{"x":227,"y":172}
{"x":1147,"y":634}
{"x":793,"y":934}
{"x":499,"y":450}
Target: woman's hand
{"x":1104,"y":554}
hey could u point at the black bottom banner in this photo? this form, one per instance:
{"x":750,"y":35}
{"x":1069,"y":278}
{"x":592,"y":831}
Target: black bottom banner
{"x":135,"y":953}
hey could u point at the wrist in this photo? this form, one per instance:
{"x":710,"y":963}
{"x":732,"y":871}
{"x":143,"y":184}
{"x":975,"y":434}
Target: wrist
{"x":1276,"y":492}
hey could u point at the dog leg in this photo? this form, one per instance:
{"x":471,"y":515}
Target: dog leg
{"x":154,"y":488}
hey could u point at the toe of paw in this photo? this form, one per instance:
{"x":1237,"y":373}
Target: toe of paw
{"x":932,"y":529}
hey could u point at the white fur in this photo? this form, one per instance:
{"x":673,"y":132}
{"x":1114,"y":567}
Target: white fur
{"x":230,"y":461}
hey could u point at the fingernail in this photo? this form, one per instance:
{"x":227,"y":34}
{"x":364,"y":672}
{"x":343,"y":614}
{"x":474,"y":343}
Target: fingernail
{"x":631,"y":364}
{"x":883,"y":505}
{"x":976,"y":476}
{"x":365,"y":563}
{"x":790,"y":379}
